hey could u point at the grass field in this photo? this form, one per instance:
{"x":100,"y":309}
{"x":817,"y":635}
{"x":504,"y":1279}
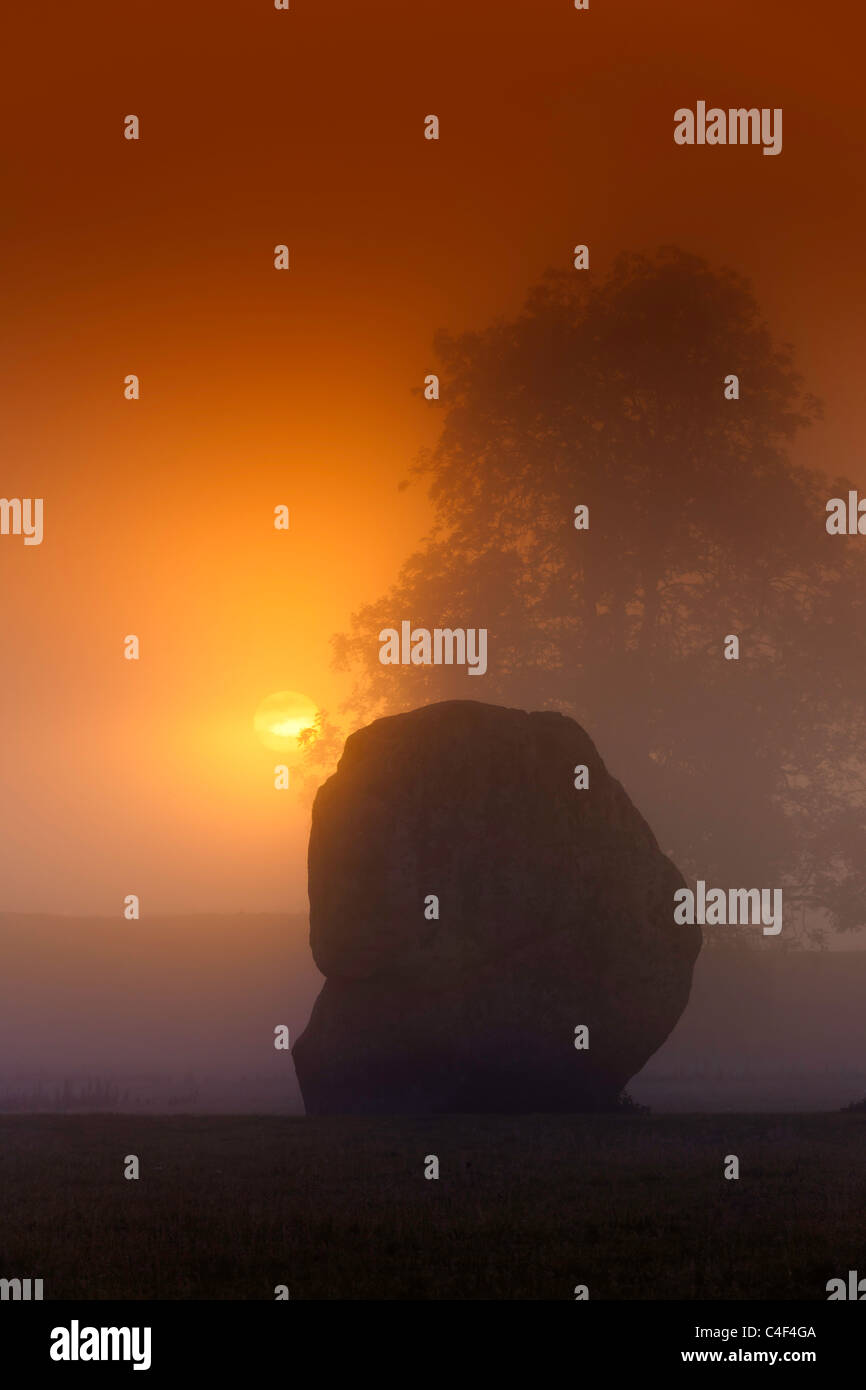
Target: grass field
{"x":526,"y":1207}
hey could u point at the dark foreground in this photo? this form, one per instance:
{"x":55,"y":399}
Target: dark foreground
{"x":526,"y":1207}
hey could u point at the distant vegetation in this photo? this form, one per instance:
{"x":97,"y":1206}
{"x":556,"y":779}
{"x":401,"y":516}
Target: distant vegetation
{"x":97,"y":1093}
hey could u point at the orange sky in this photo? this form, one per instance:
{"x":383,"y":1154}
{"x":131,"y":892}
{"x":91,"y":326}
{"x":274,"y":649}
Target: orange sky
{"x":156,"y":257}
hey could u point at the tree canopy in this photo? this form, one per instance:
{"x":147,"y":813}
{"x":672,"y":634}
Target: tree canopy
{"x":610,"y":393}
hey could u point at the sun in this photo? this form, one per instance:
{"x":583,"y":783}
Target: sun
{"x":286,"y":722}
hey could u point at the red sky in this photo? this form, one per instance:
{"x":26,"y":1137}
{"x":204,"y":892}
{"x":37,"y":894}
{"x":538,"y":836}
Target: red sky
{"x":259,"y":387}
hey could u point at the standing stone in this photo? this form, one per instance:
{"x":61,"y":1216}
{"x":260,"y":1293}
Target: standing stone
{"x":556,"y":909}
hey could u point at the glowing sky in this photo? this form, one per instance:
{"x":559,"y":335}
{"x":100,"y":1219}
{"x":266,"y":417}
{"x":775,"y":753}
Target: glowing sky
{"x":258,"y":388}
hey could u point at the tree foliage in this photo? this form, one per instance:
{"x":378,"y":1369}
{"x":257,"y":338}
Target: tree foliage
{"x":611,"y":394}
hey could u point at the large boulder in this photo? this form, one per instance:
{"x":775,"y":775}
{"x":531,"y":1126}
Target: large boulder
{"x":556,"y":909}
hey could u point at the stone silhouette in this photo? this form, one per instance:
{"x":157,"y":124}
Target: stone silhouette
{"x":555,"y":911}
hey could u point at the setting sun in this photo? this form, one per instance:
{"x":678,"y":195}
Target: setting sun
{"x":286,"y":721}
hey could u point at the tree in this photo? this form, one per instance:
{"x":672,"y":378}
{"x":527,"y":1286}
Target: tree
{"x":611,"y":394}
